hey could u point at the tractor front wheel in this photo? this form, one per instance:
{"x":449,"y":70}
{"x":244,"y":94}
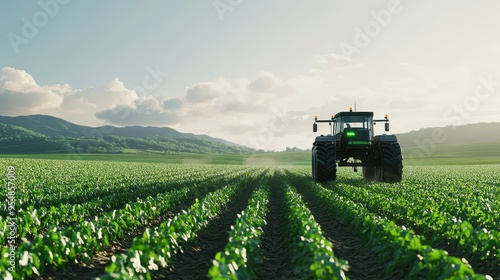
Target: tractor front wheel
{"x":324,"y":166}
{"x":390,"y":169}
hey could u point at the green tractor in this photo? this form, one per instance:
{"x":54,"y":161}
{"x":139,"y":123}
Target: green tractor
{"x":353,"y":143}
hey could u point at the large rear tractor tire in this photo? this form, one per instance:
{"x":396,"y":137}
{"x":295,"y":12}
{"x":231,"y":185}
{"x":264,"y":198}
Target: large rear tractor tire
{"x":324,"y":165}
{"x":390,"y":169}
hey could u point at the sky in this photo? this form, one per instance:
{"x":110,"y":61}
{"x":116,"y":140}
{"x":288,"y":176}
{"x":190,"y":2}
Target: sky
{"x":251,"y":72}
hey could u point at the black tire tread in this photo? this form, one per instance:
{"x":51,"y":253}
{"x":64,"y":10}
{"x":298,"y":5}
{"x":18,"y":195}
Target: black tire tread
{"x":392,"y":162}
{"x":326,"y":167}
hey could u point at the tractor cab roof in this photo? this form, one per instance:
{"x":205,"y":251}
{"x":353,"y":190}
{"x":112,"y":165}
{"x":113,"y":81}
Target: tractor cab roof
{"x":352,"y":114}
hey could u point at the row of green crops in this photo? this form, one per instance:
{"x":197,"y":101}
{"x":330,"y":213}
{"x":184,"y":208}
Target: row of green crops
{"x":156,"y":246}
{"x":313,"y":255}
{"x":52,"y":183}
{"x":48,"y":182}
{"x":31,"y":220}
{"x":474,"y":199}
{"x":78,"y":243}
{"x":398,"y":244}
{"x":425,"y":215}
{"x":242,"y":257}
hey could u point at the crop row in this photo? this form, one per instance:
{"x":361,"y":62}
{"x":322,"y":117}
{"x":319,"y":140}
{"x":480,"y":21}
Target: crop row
{"x":313,"y":255}
{"x":427,"y":217}
{"x":52,"y":183}
{"x":29,"y":221}
{"x":78,"y":244}
{"x":399,"y":245}
{"x":472,"y":201}
{"x":157,"y":245}
{"x":242,"y":256}
{"x":46,"y":182}
{"x":471,"y":186}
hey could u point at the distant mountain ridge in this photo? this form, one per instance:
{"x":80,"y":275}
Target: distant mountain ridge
{"x":53,"y":126}
{"x":451,"y":135}
{"x":52,"y":134}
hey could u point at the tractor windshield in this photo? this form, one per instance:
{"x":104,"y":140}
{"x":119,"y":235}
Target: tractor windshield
{"x":357,"y":122}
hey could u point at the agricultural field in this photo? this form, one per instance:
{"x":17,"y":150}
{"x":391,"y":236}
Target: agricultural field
{"x":68,"y":219}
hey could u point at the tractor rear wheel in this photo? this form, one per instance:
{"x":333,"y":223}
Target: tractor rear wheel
{"x":369,"y":173}
{"x":324,"y":164}
{"x":391,"y":168}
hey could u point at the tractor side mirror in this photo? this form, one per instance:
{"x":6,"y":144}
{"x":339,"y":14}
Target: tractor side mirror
{"x":386,"y":126}
{"x":315,"y":127}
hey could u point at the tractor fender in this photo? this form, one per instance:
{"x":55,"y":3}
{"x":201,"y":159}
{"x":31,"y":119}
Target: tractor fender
{"x":322,"y":138}
{"x":385,"y":138}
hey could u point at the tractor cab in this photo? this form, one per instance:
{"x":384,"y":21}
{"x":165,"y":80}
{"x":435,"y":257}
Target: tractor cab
{"x":355,"y":127}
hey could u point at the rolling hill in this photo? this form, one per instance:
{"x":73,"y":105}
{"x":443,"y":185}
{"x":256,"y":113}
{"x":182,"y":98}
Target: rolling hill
{"x":471,"y":143}
{"x":47,"y":134}
{"x":52,"y":126}
{"x":463,"y":134}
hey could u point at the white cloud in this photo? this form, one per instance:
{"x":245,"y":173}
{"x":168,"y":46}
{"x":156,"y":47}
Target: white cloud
{"x":245,"y":111}
{"x":80,"y":106}
{"x":113,"y":93}
{"x":315,"y":71}
{"x":202,"y":92}
{"x":243,"y":107}
{"x":20,"y":94}
{"x":142,"y":111}
{"x":265,"y":82}
{"x":268,"y":86}
{"x":337,"y":61}
{"x":218,"y":101}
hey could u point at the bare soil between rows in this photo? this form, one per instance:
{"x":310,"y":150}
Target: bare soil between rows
{"x":275,"y":247}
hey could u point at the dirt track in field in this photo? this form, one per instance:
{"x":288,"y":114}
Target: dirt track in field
{"x":275,"y":248}
{"x":347,"y":245}
{"x":196,"y":260}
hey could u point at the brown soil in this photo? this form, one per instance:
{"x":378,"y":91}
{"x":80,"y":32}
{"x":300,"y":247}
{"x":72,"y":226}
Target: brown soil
{"x":275,"y":246}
